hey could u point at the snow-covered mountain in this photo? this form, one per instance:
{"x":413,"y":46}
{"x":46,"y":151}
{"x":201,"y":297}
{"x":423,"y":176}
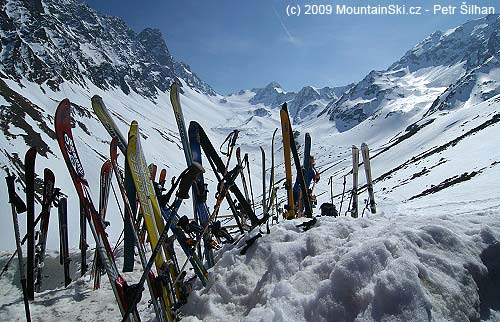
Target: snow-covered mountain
{"x":51,"y":42}
{"x":454,"y":64}
{"x":431,"y":119}
{"x":305,"y":103}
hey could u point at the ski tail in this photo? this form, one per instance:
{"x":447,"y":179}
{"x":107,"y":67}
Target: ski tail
{"x":29,"y":173}
{"x":63,"y":236}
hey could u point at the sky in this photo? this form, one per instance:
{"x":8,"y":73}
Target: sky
{"x":236,"y":44}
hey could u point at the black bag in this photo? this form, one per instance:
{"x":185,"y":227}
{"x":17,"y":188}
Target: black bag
{"x":328,"y":209}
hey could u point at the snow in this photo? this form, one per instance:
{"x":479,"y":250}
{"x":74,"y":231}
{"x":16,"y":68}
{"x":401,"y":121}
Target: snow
{"x":391,"y":267}
{"x":406,"y":263}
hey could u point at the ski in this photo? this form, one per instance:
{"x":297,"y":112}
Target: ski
{"x":264,"y":202}
{"x":18,"y":206}
{"x":75,"y":168}
{"x":150,"y":209}
{"x":29,"y":179}
{"x":104,"y":188}
{"x":272,"y":190}
{"x":247,"y":165}
{"x":298,"y":167}
{"x":104,"y":116}
{"x":243,"y":181}
{"x":64,"y":259}
{"x":83,"y":240}
{"x":307,"y":159}
{"x":219,"y":170}
{"x":192,"y":152}
{"x":355,"y":167}
{"x":163,"y":178}
{"x":163,"y":313}
{"x":285,"y":131}
{"x":48,"y":198}
{"x":152,"y":171}
{"x":200,"y":192}
{"x":365,"y":153}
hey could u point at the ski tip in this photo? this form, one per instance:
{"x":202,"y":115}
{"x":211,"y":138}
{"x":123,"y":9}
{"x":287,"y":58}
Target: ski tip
{"x":284,"y":107}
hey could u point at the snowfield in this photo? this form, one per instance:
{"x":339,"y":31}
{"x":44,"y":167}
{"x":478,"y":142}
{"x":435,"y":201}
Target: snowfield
{"x":390,"y":267}
{"x":404,"y":264}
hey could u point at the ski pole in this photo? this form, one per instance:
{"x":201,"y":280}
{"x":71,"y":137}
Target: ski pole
{"x":245,"y":159}
{"x":342,"y":199}
{"x":330,"y":182}
{"x":13,"y":199}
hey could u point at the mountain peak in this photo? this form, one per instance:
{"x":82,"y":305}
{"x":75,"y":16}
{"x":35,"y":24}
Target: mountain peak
{"x":272,"y":95}
{"x":472,"y":42}
{"x":74,"y":43}
{"x":274,"y":84}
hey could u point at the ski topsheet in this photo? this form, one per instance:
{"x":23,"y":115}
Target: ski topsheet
{"x":150,"y":207}
{"x":365,"y":152}
{"x":29,"y":174}
{"x":307,"y":160}
{"x":163,"y":313}
{"x":104,"y":187}
{"x":355,"y":167}
{"x":200,"y":196}
{"x":104,"y":116}
{"x":75,"y":168}
{"x":47,"y":201}
{"x":220,"y":169}
{"x":296,"y":161}
{"x":285,"y":131}
{"x":192,"y":152}
{"x":63,"y":237}
{"x":264,"y":202}
{"x":272,"y":191}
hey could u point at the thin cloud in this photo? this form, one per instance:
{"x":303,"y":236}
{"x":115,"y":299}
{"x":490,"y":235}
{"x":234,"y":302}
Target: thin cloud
{"x":291,"y":38}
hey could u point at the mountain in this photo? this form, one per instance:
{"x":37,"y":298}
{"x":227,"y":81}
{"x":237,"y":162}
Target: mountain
{"x":450,"y":64}
{"x":305,"y":103}
{"x":51,"y":42}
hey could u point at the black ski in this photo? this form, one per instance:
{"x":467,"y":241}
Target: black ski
{"x":29,"y":175}
{"x":64,"y":259}
{"x":49,"y":194}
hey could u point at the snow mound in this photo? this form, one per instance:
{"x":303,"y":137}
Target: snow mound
{"x":385,"y":268}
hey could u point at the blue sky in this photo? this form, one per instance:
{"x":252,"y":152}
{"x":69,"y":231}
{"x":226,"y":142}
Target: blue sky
{"x":237,"y":44}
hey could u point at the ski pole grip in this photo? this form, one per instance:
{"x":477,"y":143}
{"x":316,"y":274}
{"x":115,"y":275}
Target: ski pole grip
{"x":10,"y":187}
{"x":13,"y":196}
{"x":187,"y":179}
